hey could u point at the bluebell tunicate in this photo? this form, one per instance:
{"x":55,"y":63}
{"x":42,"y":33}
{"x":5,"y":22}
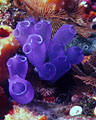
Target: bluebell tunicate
{"x":47,"y":71}
{"x":24,"y":29}
{"x":62,"y":66}
{"x":75,"y":55}
{"x":21,"y":90}
{"x":65,"y":34}
{"x":43,"y":28}
{"x":17,"y":65}
{"x":55,"y":50}
{"x":49,"y":57}
{"x":35,"y":49}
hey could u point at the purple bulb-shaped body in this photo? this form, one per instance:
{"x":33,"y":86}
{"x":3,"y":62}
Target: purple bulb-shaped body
{"x":21,"y":90}
{"x":65,"y":34}
{"x":43,"y":28}
{"x":35,"y":49}
{"x":75,"y":55}
{"x":62,"y":66}
{"x":31,"y":19}
{"x":17,"y":65}
{"x":47,"y":71}
{"x":23,"y":30}
{"x":55,"y":50}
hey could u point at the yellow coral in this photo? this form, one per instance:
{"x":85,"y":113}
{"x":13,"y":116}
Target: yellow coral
{"x":4,"y":1}
{"x":22,"y":113}
{"x":5,"y":40}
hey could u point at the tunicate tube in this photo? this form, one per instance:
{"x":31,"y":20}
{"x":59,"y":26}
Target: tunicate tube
{"x":17,"y":65}
{"x":35,"y":49}
{"x":21,"y":90}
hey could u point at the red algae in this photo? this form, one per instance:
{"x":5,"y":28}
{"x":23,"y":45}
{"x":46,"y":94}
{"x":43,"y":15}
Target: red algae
{"x":3,"y":33}
{"x":8,"y":46}
{"x":3,"y":102}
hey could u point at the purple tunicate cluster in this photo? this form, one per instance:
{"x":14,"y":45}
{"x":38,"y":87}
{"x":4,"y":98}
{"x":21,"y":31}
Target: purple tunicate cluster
{"x":29,"y":26}
{"x":49,"y":56}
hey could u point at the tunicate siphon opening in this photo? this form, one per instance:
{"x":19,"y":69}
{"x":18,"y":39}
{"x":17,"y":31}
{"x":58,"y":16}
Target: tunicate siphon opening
{"x":35,"y":38}
{"x":22,"y":58}
{"x":4,"y":33}
{"x":85,"y":47}
{"x":27,"y":48}
{"x":18,"y":88}
{"x":24,"y":24}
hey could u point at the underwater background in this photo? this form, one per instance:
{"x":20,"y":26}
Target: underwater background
{"x":47,"y":59}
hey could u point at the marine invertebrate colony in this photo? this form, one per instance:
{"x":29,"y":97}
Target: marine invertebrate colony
{"x":38,"y":47}
{"x":49,"y":57}
{"x":29,"y":26}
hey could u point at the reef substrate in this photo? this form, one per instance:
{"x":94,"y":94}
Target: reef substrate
{"x":55,"y":100}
